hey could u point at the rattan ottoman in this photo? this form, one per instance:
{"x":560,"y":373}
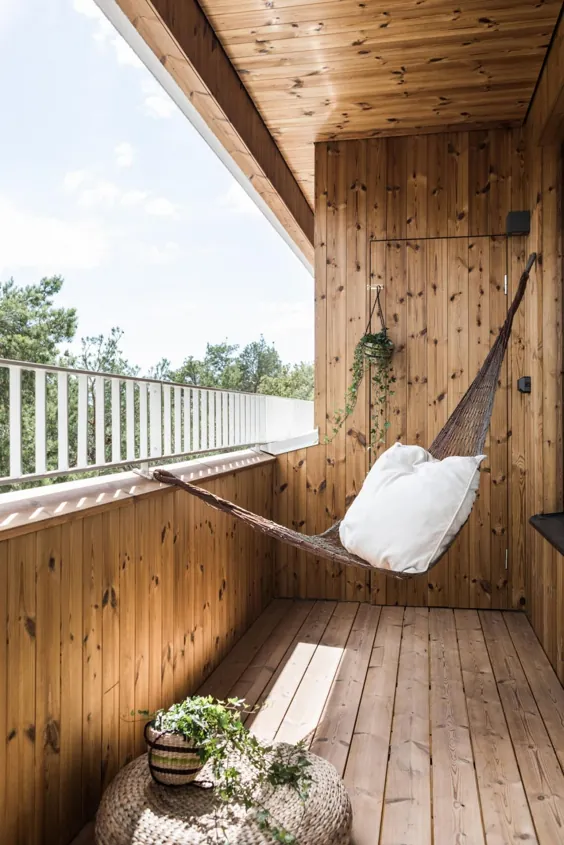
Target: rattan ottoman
{"x":137,"y":811}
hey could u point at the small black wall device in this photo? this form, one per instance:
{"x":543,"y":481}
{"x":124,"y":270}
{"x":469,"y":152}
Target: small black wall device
{"x":518,"y":223}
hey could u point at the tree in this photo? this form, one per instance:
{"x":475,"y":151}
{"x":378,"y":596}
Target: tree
{"x":104,"y":355}
{"x":31,"y":327}
{"x":295,"y":382}
{"x":257,"y":361}
{"x":219,"y":368}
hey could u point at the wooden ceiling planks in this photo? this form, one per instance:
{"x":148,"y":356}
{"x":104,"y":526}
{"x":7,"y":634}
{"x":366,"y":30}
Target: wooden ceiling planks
{"x":333,"y":69}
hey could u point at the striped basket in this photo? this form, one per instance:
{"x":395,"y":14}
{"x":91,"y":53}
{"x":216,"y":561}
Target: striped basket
{"x":173,"y":761}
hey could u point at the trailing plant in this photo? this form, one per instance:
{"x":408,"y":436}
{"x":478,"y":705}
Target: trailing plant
{"x":373,"y":352}
{"x":217,"y":730}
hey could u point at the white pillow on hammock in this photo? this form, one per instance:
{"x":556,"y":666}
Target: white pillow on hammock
{"x":410,"y":508}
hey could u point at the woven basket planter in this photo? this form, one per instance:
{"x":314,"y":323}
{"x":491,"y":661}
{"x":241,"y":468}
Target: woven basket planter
{"x":376,"y":353}
{"x":173,"y":760}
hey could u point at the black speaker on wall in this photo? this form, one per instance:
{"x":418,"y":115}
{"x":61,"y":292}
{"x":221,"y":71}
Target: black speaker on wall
{"x":518,"y":223}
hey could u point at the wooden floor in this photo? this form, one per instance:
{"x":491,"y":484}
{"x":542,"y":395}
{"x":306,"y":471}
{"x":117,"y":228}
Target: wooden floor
{"x":447,"y":726}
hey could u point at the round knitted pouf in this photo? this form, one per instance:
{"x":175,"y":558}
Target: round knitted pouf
{"x":135,"y":810}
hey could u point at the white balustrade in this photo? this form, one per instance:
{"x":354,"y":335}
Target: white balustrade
{"x":59,"y":420}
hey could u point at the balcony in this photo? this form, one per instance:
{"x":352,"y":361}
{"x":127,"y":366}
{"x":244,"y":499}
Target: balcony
{"x":389,"y":148}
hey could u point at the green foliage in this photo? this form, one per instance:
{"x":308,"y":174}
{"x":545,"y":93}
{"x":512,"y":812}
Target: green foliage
{"x":373,"y":352}
{"x":33,"y":328}
{"x":295,"y":382}
{"x":256,"y":369}
{"x":216,"y":728}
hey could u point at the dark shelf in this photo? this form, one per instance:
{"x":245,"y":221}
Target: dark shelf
{"x":551,"y":526}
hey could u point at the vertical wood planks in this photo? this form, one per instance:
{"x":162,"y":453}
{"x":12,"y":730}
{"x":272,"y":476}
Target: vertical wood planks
{"x":127,"y":608}
{"x":48,"y":682}
{"x":71,"y":676}
{"x":92,"y":574}
{"x":110,"y":645}
{"x":457,"y":186}
{"x":337,"y":374}
{"x":91,"y":637}
{"x":357,"y":298}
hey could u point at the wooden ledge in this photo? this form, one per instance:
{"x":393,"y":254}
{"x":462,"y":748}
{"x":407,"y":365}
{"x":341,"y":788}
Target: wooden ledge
{"x":25,"y":510}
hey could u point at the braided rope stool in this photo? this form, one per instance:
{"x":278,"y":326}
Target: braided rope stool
{"x":135,"y":810}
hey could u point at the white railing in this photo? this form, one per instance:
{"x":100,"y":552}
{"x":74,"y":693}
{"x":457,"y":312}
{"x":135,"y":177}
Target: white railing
{"x":56,"y":421}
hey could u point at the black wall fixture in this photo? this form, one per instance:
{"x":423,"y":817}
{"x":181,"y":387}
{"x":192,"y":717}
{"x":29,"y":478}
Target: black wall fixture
{"x":524,"y":384}
{"x":518,"y":223}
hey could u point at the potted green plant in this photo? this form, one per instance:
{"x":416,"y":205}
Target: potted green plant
{"x":202,"y":730}
{"x":373,"y":352}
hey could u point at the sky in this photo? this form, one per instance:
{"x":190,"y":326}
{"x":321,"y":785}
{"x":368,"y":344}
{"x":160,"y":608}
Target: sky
{"x":105,"y":182}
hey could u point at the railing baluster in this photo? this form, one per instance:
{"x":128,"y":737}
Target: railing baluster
{"x":143,"y":427}
{"x":116,"y":421}
{"x":204,"y":420}
{"x":167,"y":419}
{"x":231,"y":419}
{"x":63,"y":421}
{"x":15,"y":421}
{"x":211,"y":425}
{"x":196,"y":420}
{"x":100,"y":419}
{"x":187,"y":419}
{"x":155,"y":420}
{"x":237,"y":419}
{"x":225,"y":420}
{"x":177,"y":420}
{"x":40,"y":427}
{"x":130,"y":420}
{"x":82,"y":423}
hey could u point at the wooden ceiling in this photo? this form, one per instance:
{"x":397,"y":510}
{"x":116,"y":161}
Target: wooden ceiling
{"x":326,"y":69}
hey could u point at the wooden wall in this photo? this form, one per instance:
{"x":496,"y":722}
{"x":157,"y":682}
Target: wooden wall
{"x":128,"y":607}
{"x":442,"y":316}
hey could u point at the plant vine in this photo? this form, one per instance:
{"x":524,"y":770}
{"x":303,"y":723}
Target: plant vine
{"x":216,"y":728}
{"x":373,"y":352}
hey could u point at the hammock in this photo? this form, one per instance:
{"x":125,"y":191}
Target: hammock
{"x":464,"y":434}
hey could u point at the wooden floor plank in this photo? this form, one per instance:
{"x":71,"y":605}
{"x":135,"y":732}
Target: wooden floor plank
{"x":263,"y":666}
{"x":544,"y":683}
{"x":407,"y":797}
{"x":304,"y":712}
{"x":279,"y":693}
{"x":230,"y":670}
{"x":505,"y":811}
{"x":456,"y":805}
{"x":335,"y":729}
{"x":540,"y":770}
{"x":365,"y":773}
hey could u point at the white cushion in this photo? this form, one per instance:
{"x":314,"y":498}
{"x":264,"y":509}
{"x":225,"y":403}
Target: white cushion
{"x":410,"y":508}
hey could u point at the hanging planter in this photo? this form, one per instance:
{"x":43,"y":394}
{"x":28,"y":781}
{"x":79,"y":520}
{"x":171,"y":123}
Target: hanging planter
{"x":373,"y":352}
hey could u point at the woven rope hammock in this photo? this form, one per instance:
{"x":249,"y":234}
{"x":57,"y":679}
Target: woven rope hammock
{"x":464,"y":434}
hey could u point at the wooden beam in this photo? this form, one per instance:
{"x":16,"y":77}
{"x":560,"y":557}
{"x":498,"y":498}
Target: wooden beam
{"x":545,"y":118}
{"x":179,"y":34}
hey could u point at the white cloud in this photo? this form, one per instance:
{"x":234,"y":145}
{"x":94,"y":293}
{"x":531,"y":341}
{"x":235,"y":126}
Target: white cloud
{"x":161,"y":207}
{"x":124,"y":154}
{"x":157,"y":103}
{"x":105,"y":34}
{"x":163,"y":254}
{"x":48,"y":244}
{"x":237,"y":200}
{"x":74,"y":179}
{"x":92,"y":192}
{"x":132,"y":198}
{"x":100,"y":193}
